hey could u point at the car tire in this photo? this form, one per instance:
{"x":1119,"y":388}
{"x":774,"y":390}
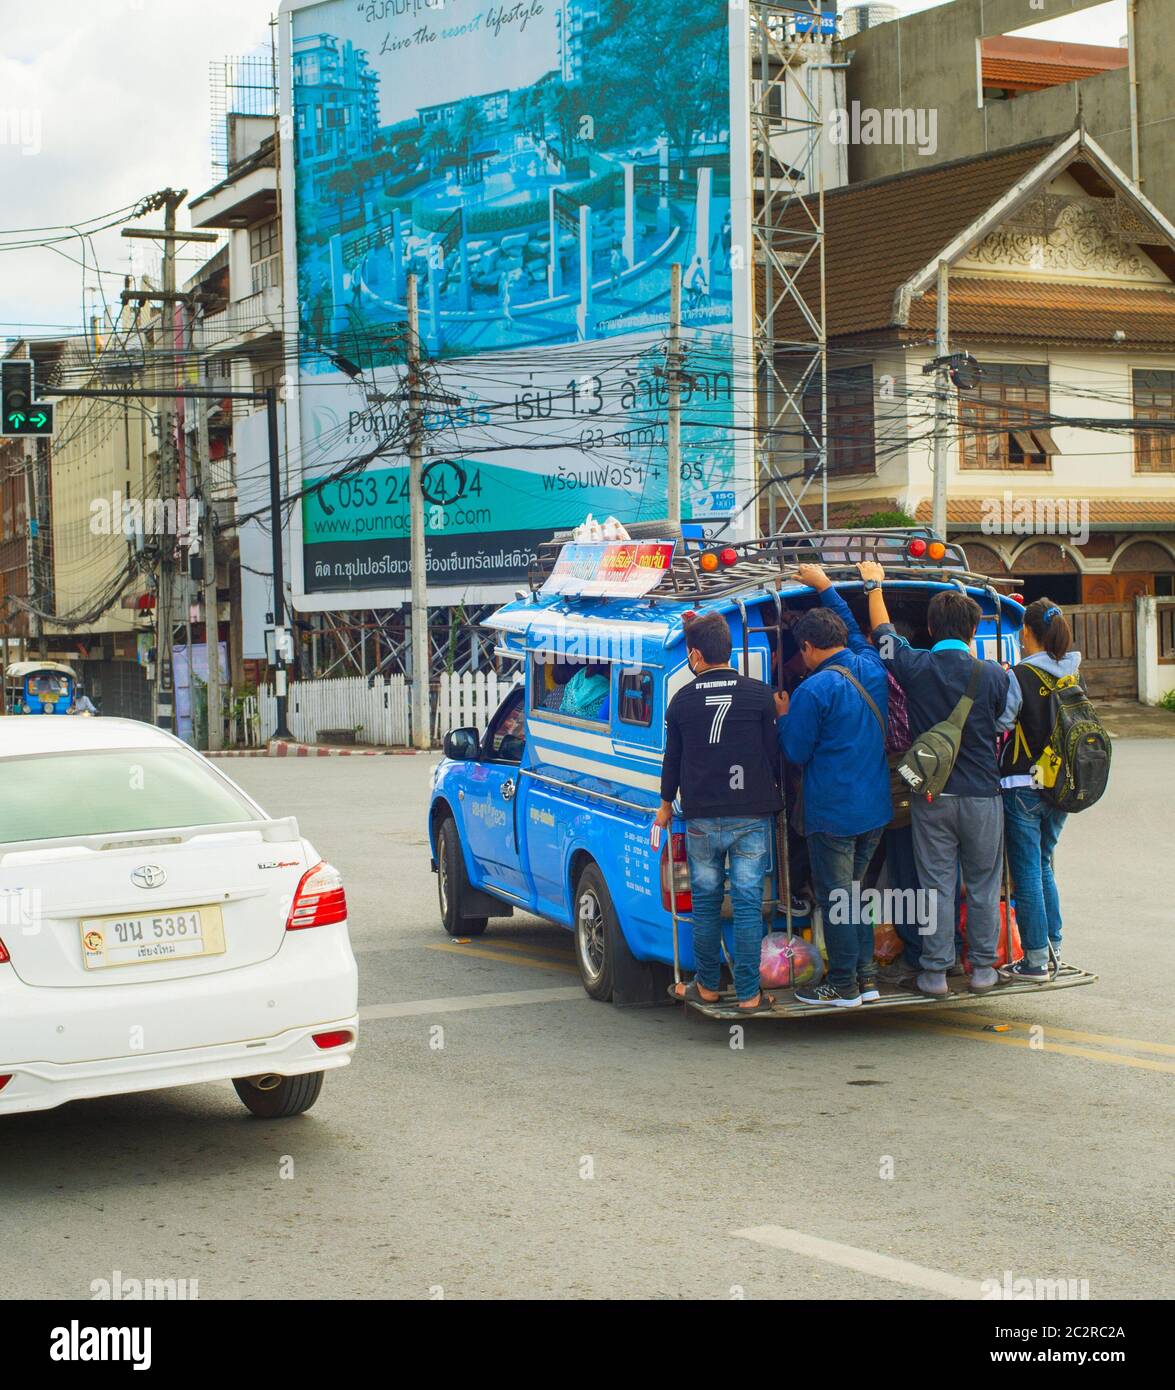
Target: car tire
{"x":293,"y":1095}
{"x":453,"y":884}
{"x":596,"y":931}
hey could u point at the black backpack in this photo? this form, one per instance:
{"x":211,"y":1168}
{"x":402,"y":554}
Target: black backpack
{"x":1074,"y":767}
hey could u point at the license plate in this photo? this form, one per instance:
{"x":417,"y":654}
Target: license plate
{"x":154,"y":936}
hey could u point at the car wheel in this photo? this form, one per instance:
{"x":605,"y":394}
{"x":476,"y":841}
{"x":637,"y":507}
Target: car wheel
{"x":596,"y":928}
{"x":277,"y":1097}
{"x":453,"y":884}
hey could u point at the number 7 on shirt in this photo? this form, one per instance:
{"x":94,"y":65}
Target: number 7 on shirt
{"x":722,"y":704}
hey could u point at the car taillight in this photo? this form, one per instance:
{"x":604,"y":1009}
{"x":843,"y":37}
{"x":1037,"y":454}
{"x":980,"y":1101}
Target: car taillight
{"x":675,"y":875}
{"x":1017,"y":598}
{"x":320,"y":899}
{"x":4,"y":956}
{"x":4,"y":1080}
{"x":338,"y":1038}
{"x":916,"y":549}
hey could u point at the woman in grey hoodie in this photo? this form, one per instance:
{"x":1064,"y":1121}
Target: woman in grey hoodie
{"x":1032,"y":825}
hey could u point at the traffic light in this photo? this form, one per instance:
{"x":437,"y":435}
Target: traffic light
{"x":19,"y":413}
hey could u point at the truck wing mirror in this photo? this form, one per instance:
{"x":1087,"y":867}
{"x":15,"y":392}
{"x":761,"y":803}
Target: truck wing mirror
{"x":462,"y":745}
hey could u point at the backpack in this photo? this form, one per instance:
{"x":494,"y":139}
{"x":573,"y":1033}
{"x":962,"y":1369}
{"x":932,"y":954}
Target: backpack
{"x":929,"y":761}
{"x":1074,"y":767}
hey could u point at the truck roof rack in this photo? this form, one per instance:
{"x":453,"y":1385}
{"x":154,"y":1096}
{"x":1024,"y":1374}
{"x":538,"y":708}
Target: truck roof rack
{"x":763,"y":561}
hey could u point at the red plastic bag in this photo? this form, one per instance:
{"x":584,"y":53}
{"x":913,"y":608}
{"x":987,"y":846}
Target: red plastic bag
{"x":1002,"y":957}
{"x":887,"y":944}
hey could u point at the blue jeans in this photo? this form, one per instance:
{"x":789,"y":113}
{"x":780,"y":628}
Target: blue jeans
{"x":1033,"y":828}
{"x":838,"y":863}
{"x":747,"y":841}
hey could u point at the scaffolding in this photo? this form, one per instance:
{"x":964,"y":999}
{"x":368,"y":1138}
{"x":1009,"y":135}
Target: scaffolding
{"x":787,"y":237}
{"x":240,"y":86}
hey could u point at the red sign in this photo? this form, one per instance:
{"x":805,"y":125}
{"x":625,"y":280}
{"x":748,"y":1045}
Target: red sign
{"x":613,"y":569}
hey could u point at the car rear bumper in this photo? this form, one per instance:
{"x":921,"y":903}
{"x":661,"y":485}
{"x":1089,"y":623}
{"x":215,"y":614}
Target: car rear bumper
{"x":42,"y":1085}
{"x":83,"y":1042}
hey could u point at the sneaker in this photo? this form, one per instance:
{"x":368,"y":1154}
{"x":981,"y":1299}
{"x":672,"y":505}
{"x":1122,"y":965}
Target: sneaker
{"x":934,"y":983}
{"x":983,"y":978}
{"x":868,"y":987}
{"x":801,"y":905}
{"x":826,"y":994}
{"x":1021,"y":970}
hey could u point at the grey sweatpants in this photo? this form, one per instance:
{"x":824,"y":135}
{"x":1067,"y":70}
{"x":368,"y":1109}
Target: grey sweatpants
{"x":967,"y":832}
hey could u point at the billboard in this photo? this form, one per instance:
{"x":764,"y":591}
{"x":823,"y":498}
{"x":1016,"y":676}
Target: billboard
{"x":539,"y":166}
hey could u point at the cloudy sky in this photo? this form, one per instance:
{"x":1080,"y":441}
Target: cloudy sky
{"x":104,"y":101}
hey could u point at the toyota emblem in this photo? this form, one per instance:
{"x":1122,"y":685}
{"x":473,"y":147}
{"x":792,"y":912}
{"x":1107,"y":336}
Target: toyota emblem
{"x":149,"y":876}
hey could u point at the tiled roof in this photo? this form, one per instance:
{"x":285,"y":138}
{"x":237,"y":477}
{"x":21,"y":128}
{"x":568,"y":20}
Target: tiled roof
{"x":1030,"y":75}
{"x":880,"y":233}
{"x":1145,"y":511}
{"x":1048,"y":311}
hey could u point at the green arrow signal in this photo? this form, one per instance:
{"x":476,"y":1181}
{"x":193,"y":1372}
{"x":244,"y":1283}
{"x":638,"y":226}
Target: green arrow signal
{"x":40,"y":419}
{"x":16,"y":419}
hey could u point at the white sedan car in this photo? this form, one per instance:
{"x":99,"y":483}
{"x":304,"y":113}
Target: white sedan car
{"x":157,"y":928}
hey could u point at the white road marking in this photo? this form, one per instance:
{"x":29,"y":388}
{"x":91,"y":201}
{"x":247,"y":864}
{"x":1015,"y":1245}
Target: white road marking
{"x":457,"y":1002}
{"x":866,"y":1261}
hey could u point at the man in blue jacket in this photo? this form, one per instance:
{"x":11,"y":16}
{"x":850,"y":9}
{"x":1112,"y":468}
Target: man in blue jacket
{"x":833,"y":726}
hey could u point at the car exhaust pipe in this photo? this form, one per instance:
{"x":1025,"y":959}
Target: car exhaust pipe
{"x":269,"y":1082}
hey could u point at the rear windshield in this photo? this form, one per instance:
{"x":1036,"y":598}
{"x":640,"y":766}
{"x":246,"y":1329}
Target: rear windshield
{"x":120,"y":789}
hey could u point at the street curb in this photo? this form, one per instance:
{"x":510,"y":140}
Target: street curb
{"x":280,"y":748}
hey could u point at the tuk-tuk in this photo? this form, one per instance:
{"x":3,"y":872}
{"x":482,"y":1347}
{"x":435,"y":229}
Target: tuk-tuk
{"x":39,"y":687}
{"x":551,"y":811}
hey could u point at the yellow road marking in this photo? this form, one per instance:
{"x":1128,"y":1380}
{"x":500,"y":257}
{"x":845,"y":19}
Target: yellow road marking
{"x":1066,"y":1049}
{"x":502,"y":957}
{"x":504,"y":944}
{"x":1106,"y":1039}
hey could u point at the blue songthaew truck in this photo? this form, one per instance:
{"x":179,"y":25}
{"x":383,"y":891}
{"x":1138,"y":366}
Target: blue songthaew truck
{"x":549,"y":810}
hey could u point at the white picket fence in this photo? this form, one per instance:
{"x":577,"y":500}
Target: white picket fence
{"x":376,"y":710}
{"x":470,"y":699}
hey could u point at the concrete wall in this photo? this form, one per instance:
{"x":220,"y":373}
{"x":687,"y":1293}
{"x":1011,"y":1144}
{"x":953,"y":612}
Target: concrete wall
{"x":1155,"y":678}
{"x":929,"y":60}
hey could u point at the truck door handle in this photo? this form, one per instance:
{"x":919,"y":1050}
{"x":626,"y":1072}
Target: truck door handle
{"x":508,"y":789}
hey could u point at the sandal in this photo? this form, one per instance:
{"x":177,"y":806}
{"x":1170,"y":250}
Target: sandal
{"x":691,"y":995}
{"x":765,"y":1005}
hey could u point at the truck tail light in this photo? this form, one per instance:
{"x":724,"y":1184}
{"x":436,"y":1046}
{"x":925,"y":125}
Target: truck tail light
{"x":675,"y":875}
{"x":936,"y":550}
{"x":4,"y":1080}
{"x":916,"y":549}
{"x":320,"y":899}
{"x":340,"y":1037}
{"x":4,"y":956}
{"x":729,"y":556}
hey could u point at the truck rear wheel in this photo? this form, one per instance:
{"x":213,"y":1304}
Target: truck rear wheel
{"x":596,"y":931}
{"x":453,"y":884}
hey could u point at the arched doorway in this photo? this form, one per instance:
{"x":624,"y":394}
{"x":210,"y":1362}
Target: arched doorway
{"x":1048,"y":569}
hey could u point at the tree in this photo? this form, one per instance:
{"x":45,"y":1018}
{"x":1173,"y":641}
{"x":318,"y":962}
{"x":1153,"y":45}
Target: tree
{"x":657,"y":71}
{"x":467,"y":125}
{"x":435,"y":142}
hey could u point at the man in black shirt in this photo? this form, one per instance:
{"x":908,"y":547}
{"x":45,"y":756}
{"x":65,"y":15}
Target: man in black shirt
{"x":721,"y":751}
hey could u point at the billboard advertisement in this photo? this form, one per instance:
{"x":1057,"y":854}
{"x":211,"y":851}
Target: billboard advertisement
{"x":539,"y":166}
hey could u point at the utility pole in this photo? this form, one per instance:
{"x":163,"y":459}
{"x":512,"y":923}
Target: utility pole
{"x":942,"y":408}
{"x":672,"y":367}
{"x":418,"y":555}
{"x":208,"y":552}
{"x":164,"y":689}
{"x":280,"y":636}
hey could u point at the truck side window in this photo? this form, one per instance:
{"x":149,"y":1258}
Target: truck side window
{"x":636,"y":698}
{"x":506,"y":736}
